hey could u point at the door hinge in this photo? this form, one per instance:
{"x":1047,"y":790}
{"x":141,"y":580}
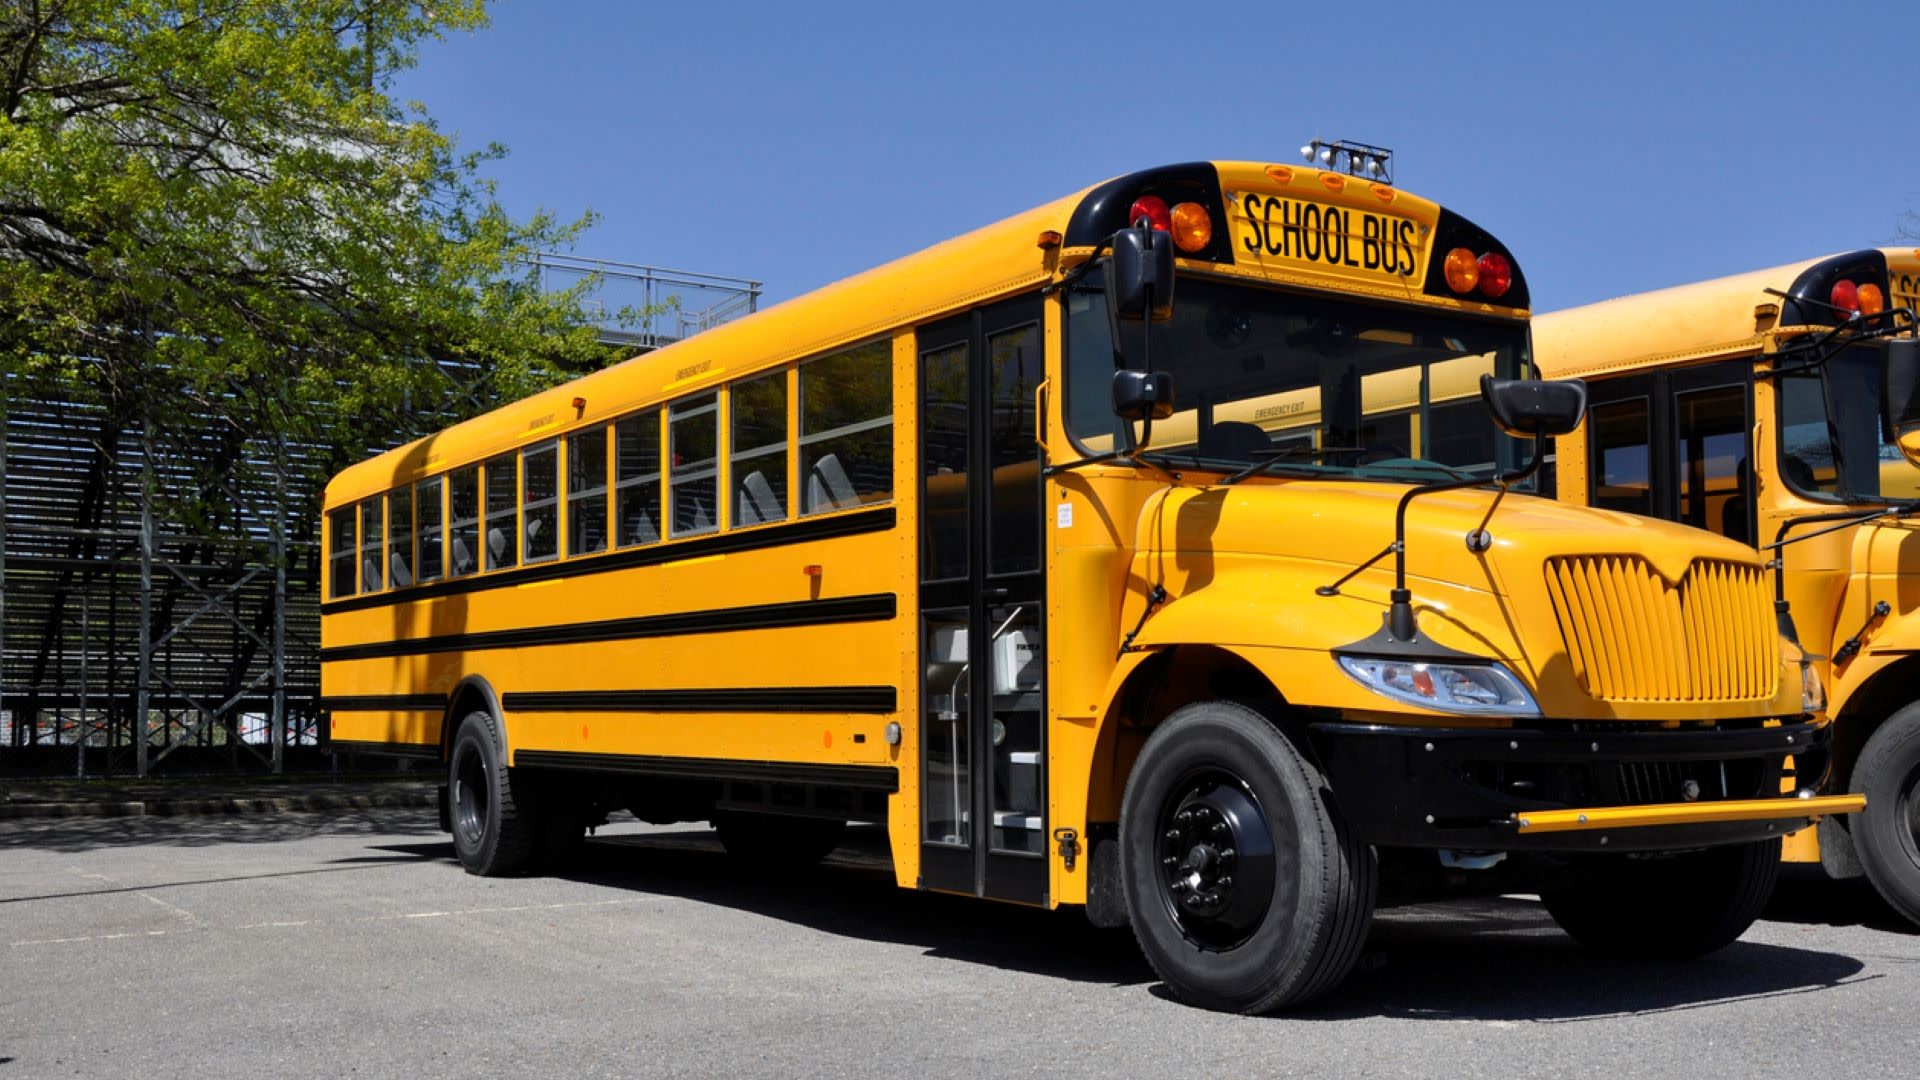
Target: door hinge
{"x":1069,"y":845}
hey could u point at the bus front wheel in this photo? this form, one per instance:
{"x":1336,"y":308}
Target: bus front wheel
{"x":493,"y":810}
{"x":1668,"y":907}
{"x":1246,"y":890}
{"x":1887,"y":833}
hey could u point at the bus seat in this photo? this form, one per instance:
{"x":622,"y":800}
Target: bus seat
{"x":1733,"y":512}
{"x":638,"y":528}
{"x":1799,"y":473}
{"x":369,"y":574}
{"x":1234,"y":440}
{"x":757,"y":501}
{"x":462,"y":556}
{"x":701,"y":519}
{"x":828,"y":487}
{"x":496,"y":546}
{"x":398,"y":573}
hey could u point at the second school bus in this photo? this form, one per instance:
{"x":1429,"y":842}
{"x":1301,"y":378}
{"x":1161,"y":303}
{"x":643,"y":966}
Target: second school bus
{"x":1200,"y":606}
{"x":1751,"y":406}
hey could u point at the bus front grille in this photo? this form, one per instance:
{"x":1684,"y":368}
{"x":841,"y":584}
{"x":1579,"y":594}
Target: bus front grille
{"x":1633,"y":637}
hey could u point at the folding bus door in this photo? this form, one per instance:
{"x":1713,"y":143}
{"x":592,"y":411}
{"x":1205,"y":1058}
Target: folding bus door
{"x":983,"y":693}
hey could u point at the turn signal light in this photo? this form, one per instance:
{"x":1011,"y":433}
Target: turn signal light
{"x":1496,"y":275}
{"x":1462,"y":270}
{"x":1872,"y":300}
{"x":1192,"y":227}
{"x":1154,"y":209}
{"x":1845,"y":296}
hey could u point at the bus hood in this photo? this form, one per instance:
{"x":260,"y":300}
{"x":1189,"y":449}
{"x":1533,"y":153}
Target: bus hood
{"x":1626,"y":610}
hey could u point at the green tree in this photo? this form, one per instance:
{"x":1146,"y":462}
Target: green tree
{"x":216,"y":224}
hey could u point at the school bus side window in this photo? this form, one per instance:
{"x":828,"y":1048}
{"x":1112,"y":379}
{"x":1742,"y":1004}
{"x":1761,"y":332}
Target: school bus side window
{"x":1621,"y":456}
{"x":587,"y":492}
{"x":539,"y":469}
{"x":758,"y":411}
{"x":502,"y":507}
{"x":637,"y":478}
{"x":846,"y":428}
{"x":426,"y":513}
{"x":343,"y":553}
{"x":693,"y":469}
{"x":400,"y":526}
{"x":372,"y":576}
{"x":463,"y":524}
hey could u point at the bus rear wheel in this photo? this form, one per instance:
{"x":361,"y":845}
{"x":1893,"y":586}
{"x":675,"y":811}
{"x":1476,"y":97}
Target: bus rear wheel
{"x":494,"y":811}
{"x":1887,"y":833}
{"x":1246,"y":891}
{"x":1668,"y":907}
{"x":777,"y":841}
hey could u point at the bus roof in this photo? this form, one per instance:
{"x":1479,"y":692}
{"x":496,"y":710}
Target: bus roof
{"x":996,"y":260}
{"x":1706,"y":320}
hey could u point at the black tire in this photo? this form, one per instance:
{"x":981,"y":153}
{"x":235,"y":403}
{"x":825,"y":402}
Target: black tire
{"x":1668,"y":907}
{"x":777,"y":841}
{"x":1886,"y":835}
{"x":495,"y":813}
{"x":1258,"y":898}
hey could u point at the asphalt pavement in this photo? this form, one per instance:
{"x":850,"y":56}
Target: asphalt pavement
{"x":350,"y":944}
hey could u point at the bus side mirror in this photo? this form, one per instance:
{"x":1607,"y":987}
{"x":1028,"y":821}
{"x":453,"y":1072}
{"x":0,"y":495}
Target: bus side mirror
{"x":1534,"y":408}
{"x":1140,"y":275}
{"x":1142,"y":395}
{"x":1900,"y":396}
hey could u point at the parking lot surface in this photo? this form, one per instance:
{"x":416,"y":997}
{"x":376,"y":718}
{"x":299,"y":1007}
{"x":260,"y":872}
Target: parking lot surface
{"x":352,"y":945}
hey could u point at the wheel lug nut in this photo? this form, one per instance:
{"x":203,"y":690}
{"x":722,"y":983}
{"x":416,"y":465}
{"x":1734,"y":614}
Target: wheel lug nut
{"x":1173,"y":834}
{"x":1226,"y":854}
{"x":1171,"y":860}
{"x":1225,"y":882}
{"x":1220,"y":829}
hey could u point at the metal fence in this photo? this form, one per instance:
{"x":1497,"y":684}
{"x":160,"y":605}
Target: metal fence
{"x":130,"y":646}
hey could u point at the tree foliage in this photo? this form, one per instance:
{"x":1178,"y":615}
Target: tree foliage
{"x":215,"y":220}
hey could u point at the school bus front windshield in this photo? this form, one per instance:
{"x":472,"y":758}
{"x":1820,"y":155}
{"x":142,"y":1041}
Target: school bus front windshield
{"x":1831,"y":443}
{"x":1336,"y":388}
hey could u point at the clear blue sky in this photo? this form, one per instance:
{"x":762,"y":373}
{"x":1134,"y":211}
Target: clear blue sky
{"x":1615,"y":147}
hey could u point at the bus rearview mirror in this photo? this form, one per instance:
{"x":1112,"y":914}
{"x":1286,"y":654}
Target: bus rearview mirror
{"x":1142,"y":395}
{"x":1533,"y":408}
{"x":1900,"y":395}
{"x":1140,"y":275}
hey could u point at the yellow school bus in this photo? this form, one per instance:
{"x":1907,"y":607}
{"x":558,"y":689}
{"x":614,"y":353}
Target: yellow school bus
{"x":1141,"y":551}
{"x":1751,"y":406}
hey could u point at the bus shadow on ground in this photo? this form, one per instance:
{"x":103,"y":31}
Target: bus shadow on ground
{"x":1807,"y":896}
{"x":1489,"y":959}
{"x":1503,"y":959}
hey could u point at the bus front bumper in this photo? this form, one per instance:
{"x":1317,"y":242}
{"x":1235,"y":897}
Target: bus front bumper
{"x":1565,"y":790}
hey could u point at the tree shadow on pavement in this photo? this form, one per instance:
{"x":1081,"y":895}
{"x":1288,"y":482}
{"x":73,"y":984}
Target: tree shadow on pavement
{"x":78,"y":834}
{"x":1485,"y":959}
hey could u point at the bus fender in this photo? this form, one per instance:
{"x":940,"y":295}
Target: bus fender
{"x":472,"y":694}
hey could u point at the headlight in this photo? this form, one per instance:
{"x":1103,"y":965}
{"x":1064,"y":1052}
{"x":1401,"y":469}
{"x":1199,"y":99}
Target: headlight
{"x":1487,"y":689}
{"x":1813,"y":693}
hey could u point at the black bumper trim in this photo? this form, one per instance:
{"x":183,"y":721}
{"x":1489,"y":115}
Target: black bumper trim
{"x":1460,"y":787}
{"x":884,"y":778}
